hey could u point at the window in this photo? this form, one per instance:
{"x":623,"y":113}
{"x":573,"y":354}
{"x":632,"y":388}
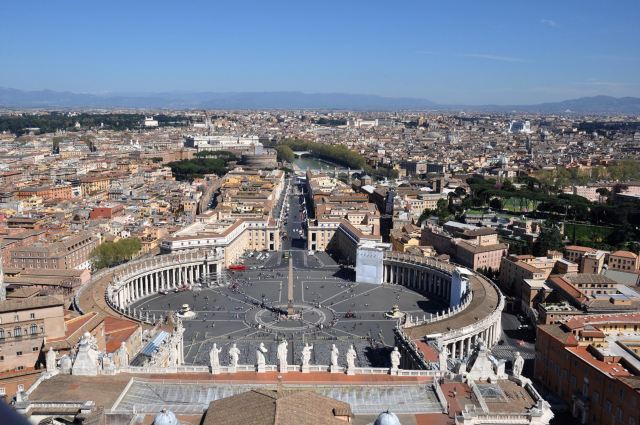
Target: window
{"x":3,"y":391}
{"x":17,"y":332}
{"x":1,"y":333}
{"x":19,"y":353}
{"x":32,"y":315}
{"x":35,"y":349}
{"x":33,"y":330}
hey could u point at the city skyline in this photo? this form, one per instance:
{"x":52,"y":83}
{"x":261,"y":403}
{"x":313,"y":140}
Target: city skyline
{"x":498,"y":53}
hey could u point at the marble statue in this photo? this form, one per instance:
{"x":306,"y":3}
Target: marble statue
{"x":234,"y":356}
{"x":107,"y":364}
{"x":518,"y":364}
{"x":306,"y":355}
{"x":351,"y":360}
{"x":334,"y":355}
{"x":51,"y":360}
{"x":282,"y":355}
{"x":214,"y":357}
{"x":173,"y":356}
{"x":395,"y":359}
{"x":260,"y":352}
{"x":443,"y":355}
{"x":122,"y":355}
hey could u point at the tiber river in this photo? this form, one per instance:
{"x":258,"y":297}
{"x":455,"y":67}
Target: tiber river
{"x":308,"y":163}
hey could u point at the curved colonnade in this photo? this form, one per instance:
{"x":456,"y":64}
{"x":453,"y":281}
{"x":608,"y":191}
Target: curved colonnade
{"x":476,"y":316}
{"x":142,"y":278}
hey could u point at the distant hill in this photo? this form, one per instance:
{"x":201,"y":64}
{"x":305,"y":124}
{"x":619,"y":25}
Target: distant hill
{"x":250,"y":100}
{"x":582,"y":105}
{"x":14,"y":98}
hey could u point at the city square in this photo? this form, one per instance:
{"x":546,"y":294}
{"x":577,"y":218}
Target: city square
{"x":333,"y":310}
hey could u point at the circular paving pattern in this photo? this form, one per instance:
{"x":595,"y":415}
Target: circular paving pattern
{"x":275,"y":318}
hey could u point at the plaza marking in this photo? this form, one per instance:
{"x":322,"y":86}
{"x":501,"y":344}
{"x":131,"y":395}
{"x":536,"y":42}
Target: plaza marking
{"x":368,"y":291}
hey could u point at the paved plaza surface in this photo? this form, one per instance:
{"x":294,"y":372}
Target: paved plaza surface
{"x":333,"y":309}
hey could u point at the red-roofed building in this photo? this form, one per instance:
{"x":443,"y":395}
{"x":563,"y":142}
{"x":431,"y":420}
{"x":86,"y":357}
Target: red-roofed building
{"x":591,"y":363}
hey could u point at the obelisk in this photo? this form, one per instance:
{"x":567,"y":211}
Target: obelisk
{"x":290,"y":310}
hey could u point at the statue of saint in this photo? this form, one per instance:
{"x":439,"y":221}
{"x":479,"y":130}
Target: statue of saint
{"x":443,"y":355}
{"x":51,"y":360}
{"x":260,"y":355}
{"x":282,"y":353}
{"x":334,"y":355}
{"x":395,"y":358}
{"x":234,"y":355}
{"x":214,"y":356}
{"x":122,"y":355}
{"x":351,"y":358}
{"x":173,"y":356}
{"x":306,"y":354}
{"x":518,"y":364}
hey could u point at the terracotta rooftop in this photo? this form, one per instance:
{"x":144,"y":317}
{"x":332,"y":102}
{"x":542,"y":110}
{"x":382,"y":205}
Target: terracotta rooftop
{"x":276,"y":407}
{"x":29,"y":303}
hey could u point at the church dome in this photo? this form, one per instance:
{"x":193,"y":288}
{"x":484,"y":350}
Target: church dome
{"x":387,"y":418}
{"x":165,"y":417}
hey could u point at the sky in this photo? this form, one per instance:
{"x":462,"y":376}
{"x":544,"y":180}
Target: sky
{"x":453,"y":52}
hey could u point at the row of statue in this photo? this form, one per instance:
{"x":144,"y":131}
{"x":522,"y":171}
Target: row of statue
{"x":282,"y":356}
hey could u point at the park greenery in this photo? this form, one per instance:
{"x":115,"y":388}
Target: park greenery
{"x":601,"y":225}
{"x":341,"y":155}
{"x":189,"y":169}
{"x":109,"y":254}
{"x":557,"y":178}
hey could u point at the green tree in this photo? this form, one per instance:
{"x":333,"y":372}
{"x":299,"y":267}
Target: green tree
{"x":285,"y":153}
{"x":496,"y":204}
{"x":109,"y":254}
{"x":550,"y":239}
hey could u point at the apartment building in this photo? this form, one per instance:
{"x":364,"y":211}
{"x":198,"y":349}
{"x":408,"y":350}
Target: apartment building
{"x":72,"y":251}
{"x":591,"y":363}
{"x":624,"y":261}
{"x":475,"y":247}
{"x":24,"y":324}
{"x":45,"y":192}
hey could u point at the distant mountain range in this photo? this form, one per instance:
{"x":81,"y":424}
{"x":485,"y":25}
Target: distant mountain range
{"x":13,"y":98}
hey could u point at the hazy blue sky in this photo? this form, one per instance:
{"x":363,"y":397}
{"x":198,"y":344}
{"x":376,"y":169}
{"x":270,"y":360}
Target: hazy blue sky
{"x":478,"y":51}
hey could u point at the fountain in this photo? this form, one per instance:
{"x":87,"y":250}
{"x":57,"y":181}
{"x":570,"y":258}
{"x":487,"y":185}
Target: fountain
{"x":395,"y":313}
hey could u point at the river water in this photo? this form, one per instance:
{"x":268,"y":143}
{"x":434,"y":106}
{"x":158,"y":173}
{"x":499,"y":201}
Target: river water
{"x":307,"y":163}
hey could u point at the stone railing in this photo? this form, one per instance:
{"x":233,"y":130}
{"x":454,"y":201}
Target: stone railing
{"x":441,"y":397}
{"x":25,"y":407}
{"x":478,"y":395}
{"x":486,"y":322}
{"x":412,"y":348}
{"x":420,"y":261}
{"x":94,"y":278}
{"x":135,"y":268}
{"x":474,"y":417}
{"x":272,"y":368}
